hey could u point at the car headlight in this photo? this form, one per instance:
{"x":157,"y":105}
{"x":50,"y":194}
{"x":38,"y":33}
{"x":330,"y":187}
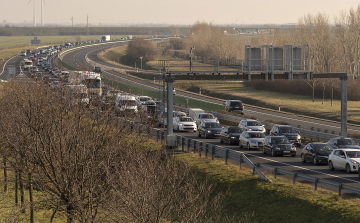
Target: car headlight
{"x":277,"y":148}
{"x":208,"y":131}
{"x":354,"y":162}
{"x":293,"y":148}
{"x":217,"y":121}
{"x":298,"y":137}
{"x":181,"y":124}
{"x":233,"y":137}
{"x":249,"y":129}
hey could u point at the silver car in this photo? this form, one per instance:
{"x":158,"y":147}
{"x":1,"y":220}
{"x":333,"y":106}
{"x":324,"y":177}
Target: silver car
{"x":251,"y":140}
{"x":252,"y":125}
{"x":205,"y":117}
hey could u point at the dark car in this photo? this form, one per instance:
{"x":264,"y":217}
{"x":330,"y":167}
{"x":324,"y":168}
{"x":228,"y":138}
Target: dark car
{"x":342,"y":142}
{"x":209,"y":129}
{"x":316,"y":153}
{"x":288,"y":131}
{"x":97,"y":70}
{"x":235,"y":106}
{"x":230,"y":135}
{"x":278,"y":145}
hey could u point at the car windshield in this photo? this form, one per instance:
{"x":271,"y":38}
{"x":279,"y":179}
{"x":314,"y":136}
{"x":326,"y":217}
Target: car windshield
{"x":253,"y":123}
{"x":353,"y":154}
{"x":212,"y":125}
{"x":144,"y":99}
{"x":235,"y":130}
{"x":345,"y":142}
{"x":322,"y":148}
{"x":236,"y":103}
{"x":128,"y":102}
{"x":207,"y":116}
{"x":287,"y":130}
{"x":181,"y":114}
{"x":280,"y":140}
{"x":187,"y":119}
{"x":256,"y":135}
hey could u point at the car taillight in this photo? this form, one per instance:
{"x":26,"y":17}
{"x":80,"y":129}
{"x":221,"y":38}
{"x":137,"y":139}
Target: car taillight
{"x":242,"y":107}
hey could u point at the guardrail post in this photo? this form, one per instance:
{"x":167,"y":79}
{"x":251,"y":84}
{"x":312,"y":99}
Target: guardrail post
{"x":275,"y":172}
{"x":157,"y":135}
{"x":241,"y":161}
{"x":200,"y":148}
{"x":188,"y":145}
{"x":294,"y":178}
{"x":206,"y":149}
{"x":212,"y":152}
{"x":340,"y":188}
{"x":316,"y":183}
{"x":182,"y":144}
{"x":194,"y":146}
{"x":226,"y":156}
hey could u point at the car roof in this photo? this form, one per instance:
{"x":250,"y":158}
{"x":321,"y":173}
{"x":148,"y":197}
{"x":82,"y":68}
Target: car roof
{"x":348,"y":149}
{"x":342,"y":138}
{"x":277,"y":136}
{"x":253,"y":120}
{"x":234,"y":100}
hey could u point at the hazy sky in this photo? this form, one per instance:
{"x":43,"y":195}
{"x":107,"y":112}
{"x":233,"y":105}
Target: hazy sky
{"x":171,"y":11}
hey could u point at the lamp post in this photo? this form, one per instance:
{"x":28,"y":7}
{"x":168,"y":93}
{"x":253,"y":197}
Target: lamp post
{"x":191,"y":56}
{"x":141,"y":63}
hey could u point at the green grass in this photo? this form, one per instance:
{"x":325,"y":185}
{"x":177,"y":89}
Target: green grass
{"x":298,"y":104}
{"x":279,"y":201}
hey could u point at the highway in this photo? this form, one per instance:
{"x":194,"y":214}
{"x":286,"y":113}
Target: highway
{"x":87,"y":57}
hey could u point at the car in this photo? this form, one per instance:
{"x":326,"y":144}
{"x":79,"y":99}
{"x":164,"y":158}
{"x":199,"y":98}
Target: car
{"x":209,"y":129}
{"x":179,"y":114}
{"x":34,"y":69}
{"x":251,"y":139}
{"x":278,"y":145}
{"x":288,"y":131}
{"x":235,"y":106}
{"x":316,"y":153}
{"x":252,"y":125}
{"x":205,"y":117}
{"x":343,"y":142}
{"x":184,"y":123}
{"x":97,"y":70}
{"x":33,"y":59}
{"x":142,"y":99}
{"x":23,"y":53}
{"x":28,"y":51}
{"x":346,"y":159}
{"x":230,"y":135}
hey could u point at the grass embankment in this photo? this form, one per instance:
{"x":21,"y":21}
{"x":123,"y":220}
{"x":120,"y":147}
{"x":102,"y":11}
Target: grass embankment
{"x":301,"y":105}
{"x":279,"y":201}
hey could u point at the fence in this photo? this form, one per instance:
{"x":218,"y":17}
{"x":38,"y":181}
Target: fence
{"x":218,"y":152}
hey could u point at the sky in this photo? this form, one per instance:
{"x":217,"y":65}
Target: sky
{"x":185,"y":12}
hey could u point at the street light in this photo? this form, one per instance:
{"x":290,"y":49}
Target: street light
{"x":191,"y":56}
{"x":141,"y":63}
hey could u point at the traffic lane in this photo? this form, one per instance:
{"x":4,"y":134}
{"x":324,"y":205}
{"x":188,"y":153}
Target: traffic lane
{"x":289,"y":163}
{"x":13,"y":62}
{"x":262,"y":114}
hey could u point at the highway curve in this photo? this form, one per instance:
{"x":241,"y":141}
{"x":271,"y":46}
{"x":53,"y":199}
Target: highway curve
{"x":87,"y":57}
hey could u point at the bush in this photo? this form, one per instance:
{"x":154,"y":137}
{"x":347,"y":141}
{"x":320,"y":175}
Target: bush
{"x":139,"y":47}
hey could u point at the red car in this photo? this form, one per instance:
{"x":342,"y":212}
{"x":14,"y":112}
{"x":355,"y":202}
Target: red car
{"x":33,"y":58}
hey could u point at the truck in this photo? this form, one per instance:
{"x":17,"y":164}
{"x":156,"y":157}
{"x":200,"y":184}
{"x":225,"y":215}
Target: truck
{"x":105,"y":38}
{"x":91,"y":80}
{"x":129,"y":37}
{"x":27,"y":64}
{"x":193,"y":112}
{"x":126,"y":104}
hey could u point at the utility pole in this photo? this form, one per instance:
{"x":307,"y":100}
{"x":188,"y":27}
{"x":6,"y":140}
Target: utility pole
{"x":72,"y":21}
{"x":87,"y":24}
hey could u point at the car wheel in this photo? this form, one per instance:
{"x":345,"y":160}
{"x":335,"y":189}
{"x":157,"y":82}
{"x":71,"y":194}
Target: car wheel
{"x":229,"y":142}
{"x":315,"y":161}
{"x":347,"y":168}
{"x":263,"y":150}
{"x":303,"y":158}
{"x":206,"y":135}
{"x":199,"y":134}
{"x":240,"y":145}
{"x":178,"y":129}
{"x":272,"y":152}
{"x":331,"y":166}
{"x":221,"y":140}
{"x":248,"y":146}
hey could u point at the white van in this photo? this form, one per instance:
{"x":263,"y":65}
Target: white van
{"x":126,"y":104}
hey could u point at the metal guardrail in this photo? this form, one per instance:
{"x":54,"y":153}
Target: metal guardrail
{"x":210,"y":150}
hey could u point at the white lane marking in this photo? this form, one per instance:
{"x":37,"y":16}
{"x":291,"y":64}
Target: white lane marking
{"x":299,"y":167}
{"x":6,"y":63}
